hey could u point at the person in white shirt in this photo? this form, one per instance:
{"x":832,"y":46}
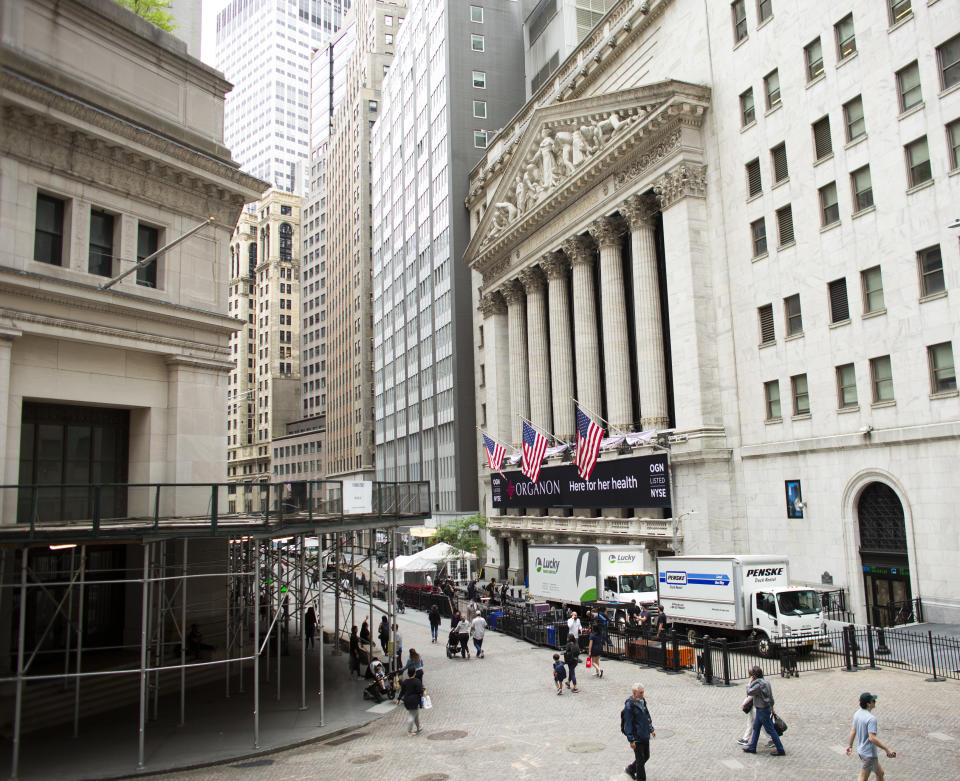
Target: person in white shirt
{"x":477,"y":627}
{"x":573,"y":626}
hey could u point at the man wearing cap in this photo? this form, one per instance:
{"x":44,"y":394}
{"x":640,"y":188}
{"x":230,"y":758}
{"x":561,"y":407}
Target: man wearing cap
{"x":865,"y":731}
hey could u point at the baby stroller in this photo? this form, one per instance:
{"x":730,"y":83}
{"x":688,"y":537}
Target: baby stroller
{"x":453,"y":644}
{"x":381,"y":689}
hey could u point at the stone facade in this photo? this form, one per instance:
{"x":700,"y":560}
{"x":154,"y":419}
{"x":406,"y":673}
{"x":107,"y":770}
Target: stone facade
{"x":683,"y":220}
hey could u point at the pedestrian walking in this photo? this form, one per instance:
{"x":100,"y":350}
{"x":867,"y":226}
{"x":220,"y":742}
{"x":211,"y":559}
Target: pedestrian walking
{"x":472,"y":611}
{"x":637,"y":724}
{"x":411,"y":695}
{"x":414,"y":662}
{"x":574,"y":627}
{"x":398,"y":645}
{"x":434,"y":618}
{"x":472,"y":589}
{"x":559,"y":673}
{"x":477,"y":629}
{"x":384,"y":633}
{"x":354,"y":653}
{"x":571,"y":655}
{"x":596,"y":647}
{"x":455,"y":618}
{"x":503,"y":593}
{"x":463,"y":634}
{"x":661,"y":621}
{"x":309,"y":626}
{"x":759,"y":688}
{"x":864,"y":730}
{"x":365,"y":633}
{"x":747,"y":708}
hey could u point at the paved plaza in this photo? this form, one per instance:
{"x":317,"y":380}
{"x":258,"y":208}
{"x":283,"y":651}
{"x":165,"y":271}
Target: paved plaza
{"x":499,"y":718}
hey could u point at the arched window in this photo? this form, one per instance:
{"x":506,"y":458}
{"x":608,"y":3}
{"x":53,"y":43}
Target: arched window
{"x":880,"y":515}
{"x":286,"y":242}
{"x":252,"y":258}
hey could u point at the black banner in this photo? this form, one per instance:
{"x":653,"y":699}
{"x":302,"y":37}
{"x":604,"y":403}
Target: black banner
{"x":624,"y":482}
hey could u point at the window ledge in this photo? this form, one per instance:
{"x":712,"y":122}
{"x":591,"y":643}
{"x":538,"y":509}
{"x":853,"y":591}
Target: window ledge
{"x":773,"y":421}
{"x":830,"y":227}
{"x":817,"y":79}
{"x":912,"y":110}
{"x":839,"y":323}
{"x":775,"y":107}
{"x":788,"y":245}
{"x":918,"y":187}
{"x":875,"y":313}
{"x":823,"y":159}
{"x":745,"y":128}
{"x":848,"y":58}
{"x":780,"y":183}
{"x":760,"y":257}
{"x":771,"y":343}
{"x":951,"y":394}
{"x":848,"y":410}
{"x":864,"y":211}
{"x":794,"y":337}
{"x":765,"y":22}
{"x":944,"y":92}
{"x":933,"y":296}
{"x":752,"y":198}
{"x":741,"y":42}
{"x":854,"y":141}
{"x":955,"y":172}
{"x":908,"y":18}
{"x":881,"y":404}
{"x":802,"y":416}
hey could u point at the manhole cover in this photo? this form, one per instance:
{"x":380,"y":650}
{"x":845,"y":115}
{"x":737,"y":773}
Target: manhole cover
{"x":665,"y":733}
{"x":255,"y":763}
{"x":431,"y":777}
{"x":365,"y":759}
{"x":448,"y":734}
{"x":585,"y":748}
{"x":345,"y":739}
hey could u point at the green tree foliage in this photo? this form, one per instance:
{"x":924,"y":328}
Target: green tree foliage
{"x":154,"y":11}
{"x":464,"y":533}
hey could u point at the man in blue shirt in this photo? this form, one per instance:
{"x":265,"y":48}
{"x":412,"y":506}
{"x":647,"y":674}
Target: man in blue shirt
{"x":638,"y":727}
{"x":865,"y":731}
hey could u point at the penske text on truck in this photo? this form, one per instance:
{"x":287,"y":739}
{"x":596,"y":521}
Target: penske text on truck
{"x":740,"y":596}
{"x":577,"y":574}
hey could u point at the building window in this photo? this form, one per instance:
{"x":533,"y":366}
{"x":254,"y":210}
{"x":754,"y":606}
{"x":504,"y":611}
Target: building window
{"x":801,"y":396}
{"x":765,"y":315}
{"x":779,"y":157}
{"x":948,"y":57}
{"x":388,"y":39}
{"x":754,"y":182}
{"x":480,"y":109}
{"x":862,"y":189}
{"x":372,"y":105}
{"x":476,"y":43}
{"x":846,"y":386}
{"x":48,"y":230}
{"x":388,"y":21}
{"x":771,"y":393}
{"x":476,"y":14}
{"x":918,"y":162}
{"x":100,"y":259}
{"x":853,"y":118}
{"x":846,"y":40}
{"x":771,"y":86}
{"x":748,"y":111}
{"x":785,"y":225}
{"x":881,"y":379}
{"x":286,"y":209}
{"x":872,"y":283}
{"x":480,"y":139}
{"x":480,"y":79}
{"x":148,"y":242}
{"x":792,"y":315}
{"x":822,"y":143}
{"x":285,"y":233}
{"x":900,"y":9}
{"x":829,"y":209}
{"x":839,"y":307}
{"x":738,"y":9}
{"x":758,"y":231}
{"x":930,"y":263}
{"x":943,"y":375}
{"x":908,"y":87}
{"x":764,"y":10}
{"x":813,"y":55}
{"x":953,"y":144}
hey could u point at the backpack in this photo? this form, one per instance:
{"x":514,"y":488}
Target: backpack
{"x":623,"y":719}
{"x":559,"y":670}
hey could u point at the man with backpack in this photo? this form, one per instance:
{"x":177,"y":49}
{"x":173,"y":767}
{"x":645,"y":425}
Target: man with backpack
{"x":637,"y":724}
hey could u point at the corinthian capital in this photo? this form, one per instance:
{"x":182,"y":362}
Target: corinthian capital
{"x":639,"y":211}
{"x":513,"y":292}
{"x":555,"y":264}
{"x":532,"y":279}
{"x":683,"y":181}
{"x":492,"y":304}
{"x":579,"y":249}
{"x":606,"y":231}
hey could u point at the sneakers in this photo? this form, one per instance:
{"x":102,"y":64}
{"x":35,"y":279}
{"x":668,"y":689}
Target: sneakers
{"x":601,"y":673}
{"x":567,"y":683}
{"x":749,"y":751}
{"x":629,"y":772}
{"x":771,"y":744}
{"x":776,"y":753}
{"x":559,"y":692}
{"x":743,"y":742}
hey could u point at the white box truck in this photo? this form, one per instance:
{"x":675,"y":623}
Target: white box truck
{"x":742,"y":596}
{"x":578,"y":574}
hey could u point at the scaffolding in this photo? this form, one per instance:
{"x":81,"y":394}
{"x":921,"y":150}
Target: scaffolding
{"x":254,"y":580}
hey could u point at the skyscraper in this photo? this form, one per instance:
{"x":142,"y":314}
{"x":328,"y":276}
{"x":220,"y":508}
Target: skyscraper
{"x":264,"y":49}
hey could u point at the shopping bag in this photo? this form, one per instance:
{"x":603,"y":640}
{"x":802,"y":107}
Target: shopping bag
{"x":589,"y":662}
{"x":427,"y":704}
{"x":779,"y":724}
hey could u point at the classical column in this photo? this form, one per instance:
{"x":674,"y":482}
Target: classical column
{"x":561,"y":352}
{"x":608,"y":232}
{"x":537,"y":346}
{"x":651,"y":374}
{"x":519,"y":388}
{"x":10,"y":413}
{"x":496,"y":351}
{"x":580,"y":251}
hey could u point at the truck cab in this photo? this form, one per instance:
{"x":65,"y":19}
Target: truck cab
{"x":626,"y":587}
{"x":786,"y":617}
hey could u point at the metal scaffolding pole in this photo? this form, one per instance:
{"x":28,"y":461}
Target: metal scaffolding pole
{"x":160,"y":587}
{"x":80,"y":624}
{"x":320,"y":629}
{"x":280,"y":617}
{"x":183,"y":636}
{"x":244,"y":560}
{"x":228,"y":633}
{"x":66,"y":647}
{"x":144,"y":625}
{"x":303,"y":632}
{"x":21,"y":635}
{"x":336,"y":597}
{"x":256,"y":648}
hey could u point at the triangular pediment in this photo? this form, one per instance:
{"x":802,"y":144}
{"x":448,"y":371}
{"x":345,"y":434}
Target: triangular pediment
{"x":566,"y":146}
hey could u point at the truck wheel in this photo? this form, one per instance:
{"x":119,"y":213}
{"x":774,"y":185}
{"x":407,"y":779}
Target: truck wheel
{"x":764,"y":647}
{"x":691,"y":636}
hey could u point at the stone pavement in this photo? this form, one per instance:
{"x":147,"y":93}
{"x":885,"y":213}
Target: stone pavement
{"x":499,"y":717}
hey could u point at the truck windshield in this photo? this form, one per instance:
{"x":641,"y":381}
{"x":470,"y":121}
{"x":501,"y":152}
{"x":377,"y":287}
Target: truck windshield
{"x":798,"y":603}
{"x":637,"y":583}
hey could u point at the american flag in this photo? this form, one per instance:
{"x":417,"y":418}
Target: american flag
{"x":589,"y":435}
{"x":495,"y":453}
{"x":534,"y":445}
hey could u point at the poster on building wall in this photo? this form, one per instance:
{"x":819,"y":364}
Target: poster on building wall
{"x":625,"y":482}
{"x":357,"y":497}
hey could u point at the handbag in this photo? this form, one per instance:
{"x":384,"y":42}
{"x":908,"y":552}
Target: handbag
{"x":426,"y":702}
{"x":779,"y":724}
{"x":747,"y":705}
{"x":589,"y":663}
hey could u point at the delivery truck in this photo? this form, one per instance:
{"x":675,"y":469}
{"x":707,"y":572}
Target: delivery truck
{"x":740,"y":597}
{"x":582,"y":574}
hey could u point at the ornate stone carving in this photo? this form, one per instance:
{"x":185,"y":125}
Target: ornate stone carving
{"x":496,"y":270}
{"x":639,"y":210}
{"x":684,"y":180}
{"x":532,"y":279}
{"x":579,"y":249}
{"x":513,"y":292}
{"x":607,"y":231}
{"x":492,"y":304}
{"x":556,"y":265}
{"x":647,"y":160}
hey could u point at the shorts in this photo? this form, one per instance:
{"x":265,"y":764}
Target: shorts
{"x":869,"y":763}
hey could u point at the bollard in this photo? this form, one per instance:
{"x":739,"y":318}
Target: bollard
{"x":853,"y":646}
{"x":707,"y":662}
{"x":847,"y":647}
{"x":882,"y":649}
{"x":725,"y":651}
{"x":933,"y":661}
{"x":870,"y":656}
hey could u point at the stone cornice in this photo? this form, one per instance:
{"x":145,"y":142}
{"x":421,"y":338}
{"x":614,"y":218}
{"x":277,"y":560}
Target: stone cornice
{"x":192,"y":362}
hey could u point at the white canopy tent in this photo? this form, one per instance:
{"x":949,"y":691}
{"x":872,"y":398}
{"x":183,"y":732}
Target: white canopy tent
{"x":459,"y":564}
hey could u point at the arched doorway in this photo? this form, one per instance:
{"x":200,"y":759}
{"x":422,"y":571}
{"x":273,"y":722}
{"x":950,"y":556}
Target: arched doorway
{"x":883,"y":556}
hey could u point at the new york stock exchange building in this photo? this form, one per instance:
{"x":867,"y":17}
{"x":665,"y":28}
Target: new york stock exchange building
{"x":720,"y":235}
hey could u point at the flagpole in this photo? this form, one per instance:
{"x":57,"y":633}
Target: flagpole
{"x":610,"y":427}
{"x":502,"y":444}
{"x":543,"y":430}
